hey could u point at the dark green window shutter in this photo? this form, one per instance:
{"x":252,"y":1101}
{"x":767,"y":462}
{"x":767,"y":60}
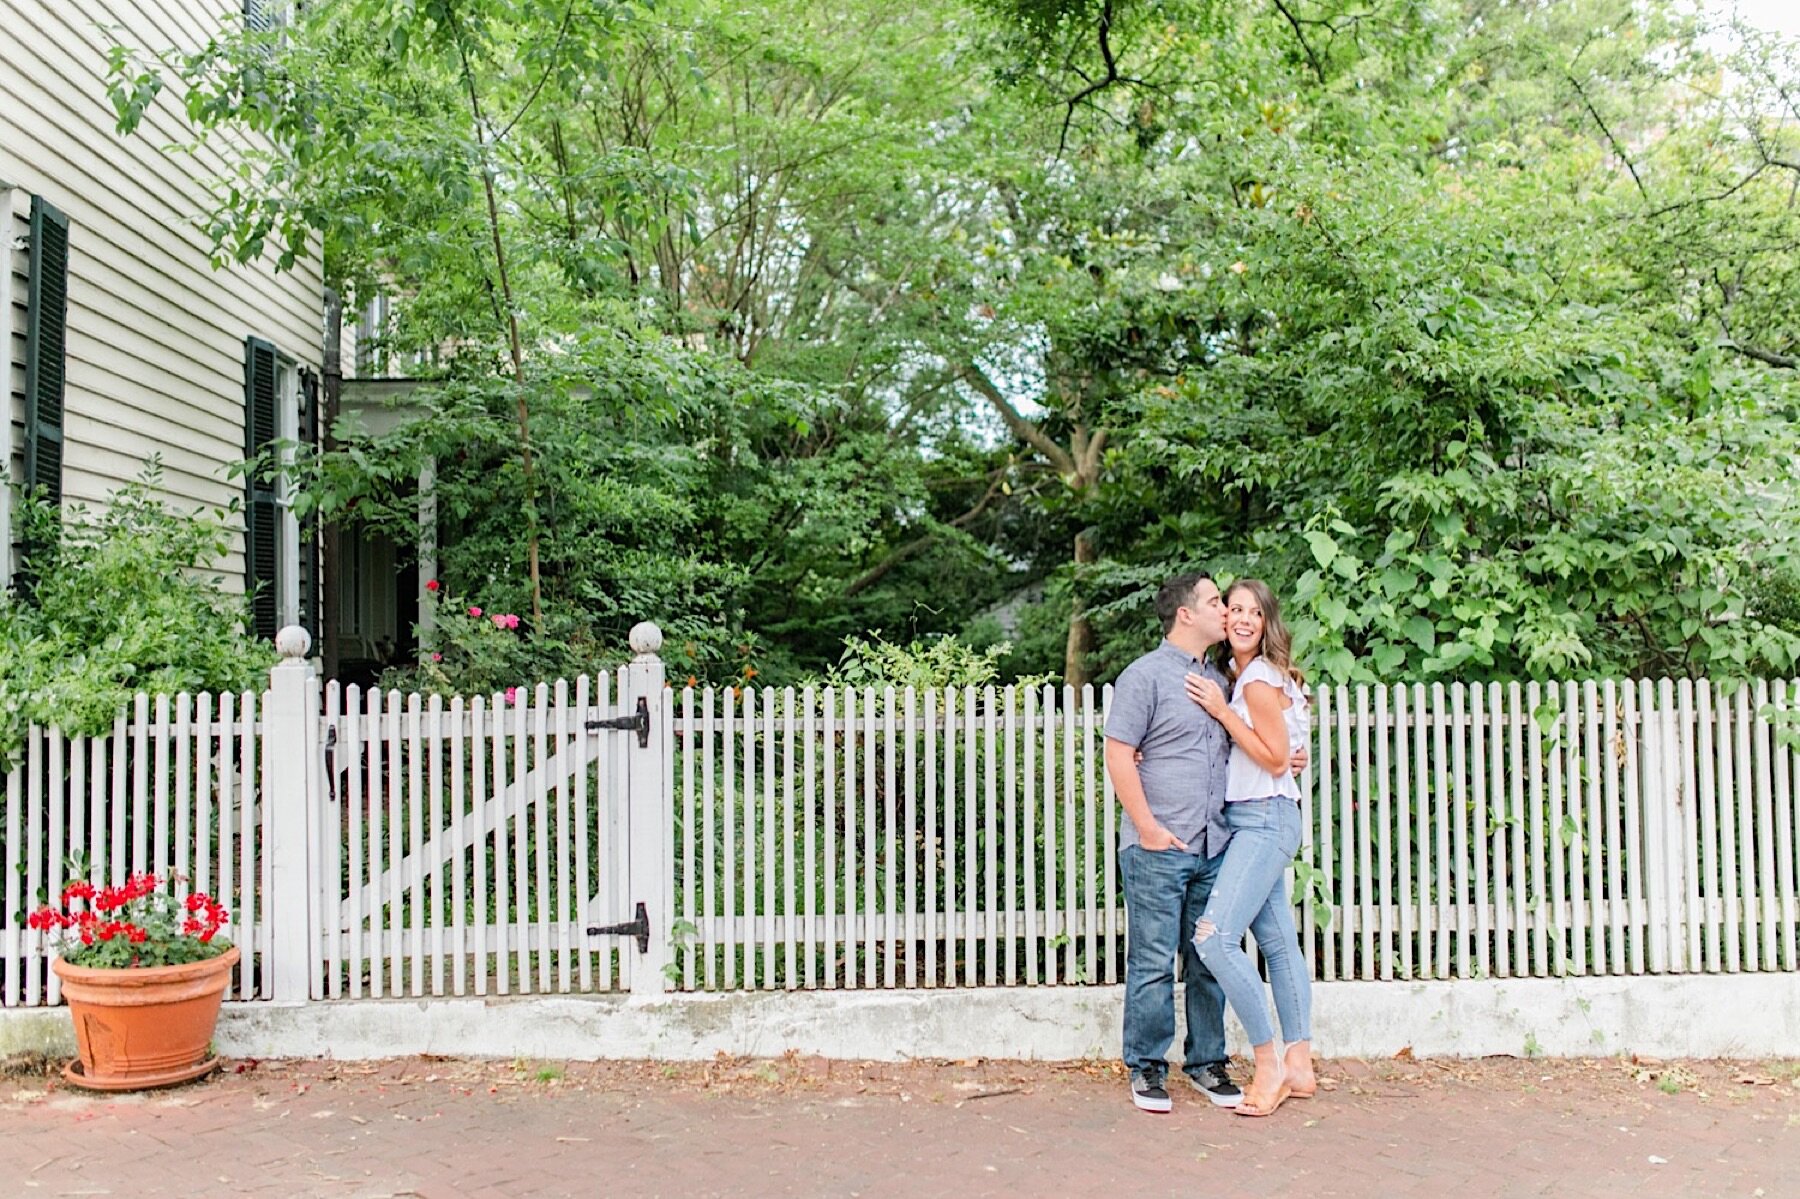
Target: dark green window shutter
{"x":310,"y":611}
{"x":262,"y":544}
{"x":46,"y":331}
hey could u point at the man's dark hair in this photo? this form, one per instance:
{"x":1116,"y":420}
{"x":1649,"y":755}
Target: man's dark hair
{"x":1175,"y":594}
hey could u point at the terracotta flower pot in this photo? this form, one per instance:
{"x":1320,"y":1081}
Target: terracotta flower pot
{"x":137,"y":1029}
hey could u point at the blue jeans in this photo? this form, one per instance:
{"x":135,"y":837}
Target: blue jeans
{"x":1165,"y":892}
{"x":1251,"y":889}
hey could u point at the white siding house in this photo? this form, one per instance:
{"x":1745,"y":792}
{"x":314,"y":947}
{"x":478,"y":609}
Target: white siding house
{"x":121,"y":341}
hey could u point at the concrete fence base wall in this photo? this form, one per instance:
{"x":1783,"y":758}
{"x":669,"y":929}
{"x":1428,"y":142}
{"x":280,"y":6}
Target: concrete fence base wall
{"x":1749,"y":1016}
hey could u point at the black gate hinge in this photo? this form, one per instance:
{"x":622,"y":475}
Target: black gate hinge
{"x":639,"y":928}
{"x":640,"y":723}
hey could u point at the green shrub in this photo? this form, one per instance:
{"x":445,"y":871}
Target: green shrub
{"x":941,"y":661}
{"x":481,"y":651}
{"x":1774,"y":597}
{"x":122,"y":602}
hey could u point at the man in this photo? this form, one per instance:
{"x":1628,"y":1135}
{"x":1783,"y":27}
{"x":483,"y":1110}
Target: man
{"x":1167,"y":760}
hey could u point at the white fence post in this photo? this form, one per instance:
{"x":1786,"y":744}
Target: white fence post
{"x":290,"y":732}
{"x":647,"y":811}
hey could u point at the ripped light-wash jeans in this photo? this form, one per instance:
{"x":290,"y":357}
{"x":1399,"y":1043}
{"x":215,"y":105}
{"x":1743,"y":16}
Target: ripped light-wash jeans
{"x":1251,"y":891}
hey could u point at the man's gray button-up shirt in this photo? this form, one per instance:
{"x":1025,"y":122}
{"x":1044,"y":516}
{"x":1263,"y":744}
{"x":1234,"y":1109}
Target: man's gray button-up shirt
{"x":1185,"y":750}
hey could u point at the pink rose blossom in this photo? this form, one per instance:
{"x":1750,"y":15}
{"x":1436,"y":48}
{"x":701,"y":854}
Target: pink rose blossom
{"x":474,"y":611}
{"x":512,"y":695}
{"x":437,"y":657}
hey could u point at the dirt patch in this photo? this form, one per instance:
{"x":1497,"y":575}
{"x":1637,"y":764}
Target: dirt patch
{"x":30,"y":1064}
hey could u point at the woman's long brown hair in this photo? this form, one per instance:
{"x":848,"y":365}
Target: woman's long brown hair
{"x":1277,"y":643}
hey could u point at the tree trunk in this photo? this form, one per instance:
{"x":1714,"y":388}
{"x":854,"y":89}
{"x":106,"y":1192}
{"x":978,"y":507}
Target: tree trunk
{"x":1081,"y":630}
{"x":1079,"y":468}
{"x":514,"y":342}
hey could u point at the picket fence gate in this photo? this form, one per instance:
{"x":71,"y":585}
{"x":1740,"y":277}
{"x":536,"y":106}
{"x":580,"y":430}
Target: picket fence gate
{"x":618,"y":835}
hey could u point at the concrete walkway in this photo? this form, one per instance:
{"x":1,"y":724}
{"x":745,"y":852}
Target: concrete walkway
{"x":425,"y":1127}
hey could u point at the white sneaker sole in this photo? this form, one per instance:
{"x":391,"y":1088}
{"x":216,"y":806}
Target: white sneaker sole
{"x":1158,"y":1106}
{"x":1217,"y":1100}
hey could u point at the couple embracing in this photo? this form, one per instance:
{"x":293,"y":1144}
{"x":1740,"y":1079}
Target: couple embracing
{"x":1203,"y":740}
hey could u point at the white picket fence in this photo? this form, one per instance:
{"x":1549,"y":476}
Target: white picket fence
{"x":374,"y":844}
{"x":967,"y":837}
{"x":173,"y":787}
{"x":1573,"y":828}
{"x":881,"y":839}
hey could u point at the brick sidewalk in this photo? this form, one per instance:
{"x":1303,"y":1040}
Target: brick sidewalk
{"x":433,"y":1128}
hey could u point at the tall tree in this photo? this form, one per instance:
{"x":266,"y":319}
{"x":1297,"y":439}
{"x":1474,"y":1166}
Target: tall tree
{"x":1463,"y":321}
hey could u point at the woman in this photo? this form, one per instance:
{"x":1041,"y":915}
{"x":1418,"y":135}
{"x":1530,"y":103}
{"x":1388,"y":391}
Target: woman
{"x":1267,"y":719}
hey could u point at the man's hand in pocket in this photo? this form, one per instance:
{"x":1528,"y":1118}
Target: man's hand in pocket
{"x":1160,"y":838}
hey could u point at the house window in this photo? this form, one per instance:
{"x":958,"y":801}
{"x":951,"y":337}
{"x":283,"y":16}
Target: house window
{"x":267,"y":21}
{"x":287,"y":528}
{"x":281,"y":561}
{"x":371,"y":330}
{"x":265,"y":16}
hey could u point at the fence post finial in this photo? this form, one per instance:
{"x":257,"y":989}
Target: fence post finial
{"x":646,"y":639}
{"x":293,"y":643}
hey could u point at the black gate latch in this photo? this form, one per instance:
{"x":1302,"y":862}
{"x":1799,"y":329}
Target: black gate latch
{"x":640,"y":723}
{"x":639,"y":928}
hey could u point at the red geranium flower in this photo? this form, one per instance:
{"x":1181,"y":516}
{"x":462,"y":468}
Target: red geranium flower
{"x":143,"y":922}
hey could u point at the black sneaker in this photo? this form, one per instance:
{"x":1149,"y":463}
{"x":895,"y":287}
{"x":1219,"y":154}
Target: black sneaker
{"x":1212,"y":1081}
{"x":1148,"y":1093}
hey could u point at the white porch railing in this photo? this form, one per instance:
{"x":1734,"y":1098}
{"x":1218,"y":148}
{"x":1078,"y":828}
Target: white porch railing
{"x":409,"y":846}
